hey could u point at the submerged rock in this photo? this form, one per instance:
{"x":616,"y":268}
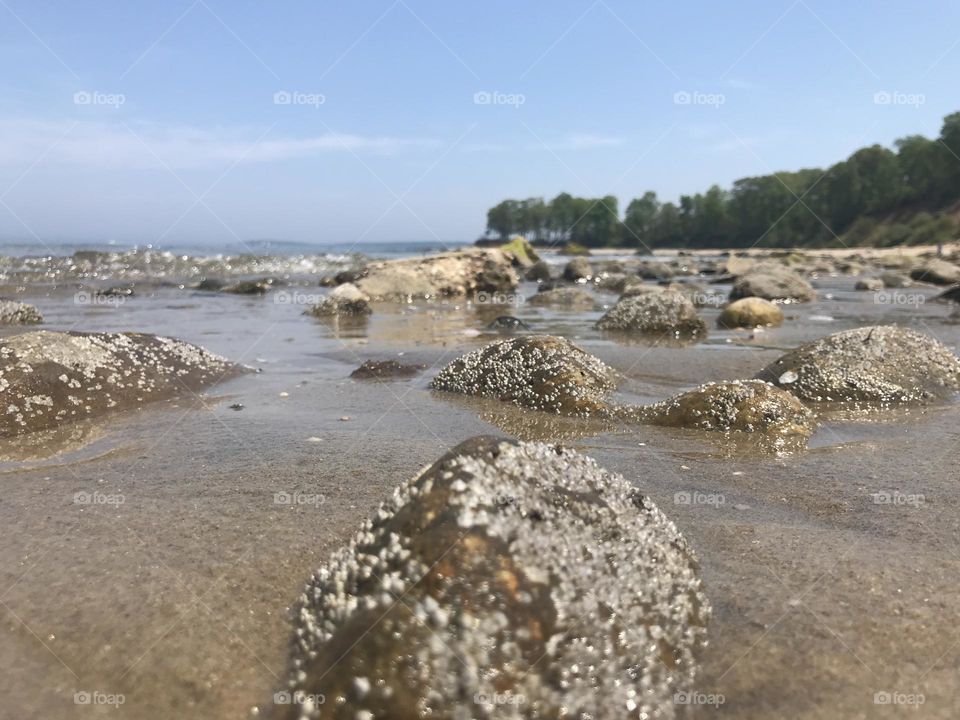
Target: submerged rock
{"x":453,"y":274}
{"x":252,"y":287}
{"x":49,"y":378}
{"x":895,"y":280}
{"x":508,"y":579}
{"x":507,"y":323}
{"x":343,"y":301}
{"x":938,"y":272}
{"x":772,"y":282}
{"x":951,"y":295}
{"x":538,"y":272}
{"x":567,"y":298}
{"x":654,"y":313}
{"x":117,"y":291}
{"x":385,"y":370}
{"x":872,"y":284}
{"x":882,"y":364}
{"x":540,"y":372}
{"x":578,"y":269}
{"x":750,"y":312}
{"x":13,"y":312}
{"x":740,"y":406}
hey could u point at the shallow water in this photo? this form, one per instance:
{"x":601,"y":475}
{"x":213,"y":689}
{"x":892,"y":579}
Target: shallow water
{"x":170,"y":580}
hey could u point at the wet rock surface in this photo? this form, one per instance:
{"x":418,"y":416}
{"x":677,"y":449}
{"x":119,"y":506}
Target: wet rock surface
{"x":739,"y":406}
{"x":454,"y":274}
{"x":881,"y":364}
{"x":938,"y":272}
{"x":573,"y":298}
{"x":750,"y":312}
{"x":385,"y":370}
{"x":508,"y":579}
{"x":50,"y":378}
{"x":540,"y":372}
{"x":343,"y":301}
{"x":507,"y":324}
{"x":577,"y":269}
{"x":18,"y":313}
{"x":772,"y":282}
{"x":663,"y":313}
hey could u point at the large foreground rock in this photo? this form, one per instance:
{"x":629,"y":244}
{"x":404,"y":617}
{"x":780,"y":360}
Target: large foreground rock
{"x":540,"y":372}
{"x":665,"y":313}
{"x":507,"y":580}
{"x":50,"y":378}
{"x":738,"y":406}
{"x":773,"y":282}
{"x":18,"y":313}
{"x":882,"y":364}
{"x":453,"y":274}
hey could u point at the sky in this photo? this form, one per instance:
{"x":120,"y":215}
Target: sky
{"x":218,"y":121}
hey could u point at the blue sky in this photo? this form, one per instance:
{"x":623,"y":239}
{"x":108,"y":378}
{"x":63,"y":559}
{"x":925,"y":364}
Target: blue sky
{"x":212,"y":121}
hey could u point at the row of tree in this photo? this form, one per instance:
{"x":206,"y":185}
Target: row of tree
{"x":876,"y":196}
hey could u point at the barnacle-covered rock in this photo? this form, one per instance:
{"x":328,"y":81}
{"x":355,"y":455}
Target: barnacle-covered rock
{"x":18,"y":313}
{"x":882,"y":364}
{"x":664,"y":313}
{"x":773,"y":282}
{"x":738,"y":406}
{"x":343,"y":301}
{"x":750,"y":312}
{"x":452,"y":274}
{"x":385,"y":370}
{"x":540,"y":372}
{"x":507,"y":580}
{"x":566,"y":298}
{"x":50,"y":378}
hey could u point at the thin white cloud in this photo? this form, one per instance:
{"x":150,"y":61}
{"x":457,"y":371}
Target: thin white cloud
{"x":140,"y":146}
{"x":587,"y":142}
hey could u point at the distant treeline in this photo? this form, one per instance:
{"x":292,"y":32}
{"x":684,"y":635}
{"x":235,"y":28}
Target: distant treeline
{"x":877,"y":197}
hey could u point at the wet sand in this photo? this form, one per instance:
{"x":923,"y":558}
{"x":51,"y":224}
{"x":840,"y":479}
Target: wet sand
{"x":178,"y":597}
